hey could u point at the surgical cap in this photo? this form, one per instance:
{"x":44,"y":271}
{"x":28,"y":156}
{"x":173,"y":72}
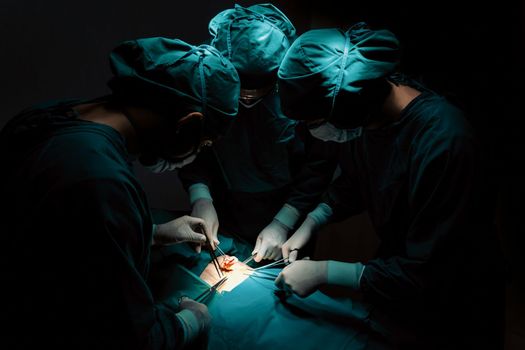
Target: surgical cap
{"x":325,"y":68}
{"x":255,"y":39}
{"x":171,"y":76}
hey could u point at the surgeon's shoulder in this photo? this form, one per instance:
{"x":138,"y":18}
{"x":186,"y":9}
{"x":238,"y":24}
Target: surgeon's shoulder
{"x":444,"y":127}
{"x":90,"y":151}
{"x":443,"y":118}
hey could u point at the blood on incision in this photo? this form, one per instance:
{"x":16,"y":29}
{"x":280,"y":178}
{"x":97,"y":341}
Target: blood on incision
{"x":228,"y":262}
{"x":235,"y":270}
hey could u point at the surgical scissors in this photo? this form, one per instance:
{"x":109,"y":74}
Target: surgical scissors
{"x":249,"y":258}
{"x":212,"y":253}
{"x":283,"y":261}
{"x":213,"y":288}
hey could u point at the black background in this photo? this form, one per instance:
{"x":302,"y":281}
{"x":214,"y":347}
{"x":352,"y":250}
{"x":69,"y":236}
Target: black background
{"x":468,"y":51}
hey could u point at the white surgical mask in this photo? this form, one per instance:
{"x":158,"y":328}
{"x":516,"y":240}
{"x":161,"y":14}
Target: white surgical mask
{"x":250,"y":105}
{"x":163,"y":165}
{"x":328,"y":132}
{"x":252,"y":97}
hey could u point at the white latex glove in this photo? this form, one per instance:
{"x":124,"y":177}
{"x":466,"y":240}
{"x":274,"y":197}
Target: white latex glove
{"x":183,"y":229}
{"x":204,"y":209}
{"x":194,"y":317}
{"x":299,"y":239}
{"x":269,"y":241}
{"x":303,"y":277}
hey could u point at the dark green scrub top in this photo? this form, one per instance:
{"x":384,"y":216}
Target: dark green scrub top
{"x":76,"y":233}
{"x":422,"y":182}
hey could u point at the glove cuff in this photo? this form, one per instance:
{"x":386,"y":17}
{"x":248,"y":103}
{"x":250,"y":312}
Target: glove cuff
{"x":190,"y":325}
{"x":153,"y":231}
{"x":345,"y":274}
{"x":199,"y":191}
{"x":288,"y":216}
{"x":321,"y":214}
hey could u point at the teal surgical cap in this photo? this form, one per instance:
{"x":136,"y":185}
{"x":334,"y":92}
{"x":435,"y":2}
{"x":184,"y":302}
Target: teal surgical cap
{"x":324,"y":69}
{"x":171,"y":76}
{"x":255,"y":39}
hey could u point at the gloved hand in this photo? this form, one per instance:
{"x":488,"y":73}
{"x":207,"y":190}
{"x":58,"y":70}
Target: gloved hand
{"x":194,"y":317}
{"x":269,"y":241}
{"x":299,"y":239}
{"x":204,"y":209}
{"x":183,"y":229}
{"x":302,"y":277}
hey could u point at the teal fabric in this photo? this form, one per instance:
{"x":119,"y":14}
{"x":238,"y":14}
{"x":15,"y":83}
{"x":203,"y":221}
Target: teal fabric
{"x":255,"y":315}
{"x":324,"y":66}
{"x":167,"y":73}
{"x":172,"y":280}
{"x":254,"y":39}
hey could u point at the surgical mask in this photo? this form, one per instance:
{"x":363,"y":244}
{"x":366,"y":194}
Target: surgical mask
{"x":251,"y":97}
{"x":250,"y":104}
{"x":328,"y":132}
{"x":163,"y":165}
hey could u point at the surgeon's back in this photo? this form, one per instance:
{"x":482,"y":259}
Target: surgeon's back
{"x":67,"y":184}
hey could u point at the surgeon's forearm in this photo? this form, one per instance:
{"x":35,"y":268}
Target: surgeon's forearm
{"x":199,"y":191}
{"x":321,"y":214}
{"x":345,"y":274}
{"x":288,"y":216}
{"x":316,"y":219}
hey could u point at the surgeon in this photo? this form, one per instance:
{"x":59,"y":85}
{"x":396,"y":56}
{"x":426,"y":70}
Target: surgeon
{"x":410,"y":159}
{"x":76,"y":227}
{"x":247,"y":176}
